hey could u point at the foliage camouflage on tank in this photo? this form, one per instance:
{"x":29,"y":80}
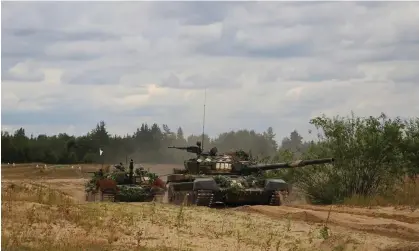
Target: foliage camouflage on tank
{"x":232,"y":178}
{"x":119,"y":185}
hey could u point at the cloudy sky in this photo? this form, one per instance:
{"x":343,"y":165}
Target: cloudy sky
{"x":66,"y":66}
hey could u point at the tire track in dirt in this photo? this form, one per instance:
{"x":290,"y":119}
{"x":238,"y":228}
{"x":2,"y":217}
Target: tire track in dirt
{"x":406,"y":215}
{"x":403,"y":247}
{"x":376,"y":225}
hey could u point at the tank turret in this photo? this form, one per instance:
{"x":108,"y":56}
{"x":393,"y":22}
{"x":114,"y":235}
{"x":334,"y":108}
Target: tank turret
{"x":234,"y":163}
{"x":226,"y":165}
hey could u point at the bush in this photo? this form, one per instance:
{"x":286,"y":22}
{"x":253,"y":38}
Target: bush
{"x":133,"y":194}
{"x":373,"y":156}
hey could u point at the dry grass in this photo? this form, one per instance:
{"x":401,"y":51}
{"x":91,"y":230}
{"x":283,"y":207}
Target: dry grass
{"x":36,"y":216}
{"x":407,"y":194}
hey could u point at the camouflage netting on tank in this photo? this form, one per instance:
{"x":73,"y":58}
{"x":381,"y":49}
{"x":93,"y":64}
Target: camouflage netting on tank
{"x":151,"y":176}
{"x":239,"y":155}
{"x":127,"y":192}
{"x":239,"y":184}
{"x":90,"y":185}
{"x":133,"y":193}
{"x":119,"y":177}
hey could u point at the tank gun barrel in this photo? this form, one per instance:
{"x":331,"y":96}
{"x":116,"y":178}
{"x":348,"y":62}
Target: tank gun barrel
{"x":178,"y":147}
{"x":189,"y":149}
{"x":298,"y":163}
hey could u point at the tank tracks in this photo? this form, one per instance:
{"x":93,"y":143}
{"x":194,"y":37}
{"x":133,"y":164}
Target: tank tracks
{"x":276,"y":198}
{"x":204,"y":198}
{"x":198,"y":198}
{"x":99,"y":196}
{"x":108,"y":197}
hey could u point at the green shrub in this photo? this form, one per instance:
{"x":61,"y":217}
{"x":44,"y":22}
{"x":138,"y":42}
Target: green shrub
{"x":373,"y":155}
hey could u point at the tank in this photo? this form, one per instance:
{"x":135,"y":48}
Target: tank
{"x":229,"y":179}
{"x":121,"y":185}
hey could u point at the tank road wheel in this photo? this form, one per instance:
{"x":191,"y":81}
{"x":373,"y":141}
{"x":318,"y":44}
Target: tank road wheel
{"x":107,"y":195}
{"x":276,"y":198}
{"x":204,"y":198}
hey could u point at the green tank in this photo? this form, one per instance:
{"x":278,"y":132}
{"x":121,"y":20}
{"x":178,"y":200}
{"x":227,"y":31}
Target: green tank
{"x":229,"y":179}
{"x":124,"y":186}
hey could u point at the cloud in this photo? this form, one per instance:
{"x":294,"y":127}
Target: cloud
{"x":92,"y":77}
{"x":213,"y":80}
{"x":312,"y":70}
{"x":24,"y":71}
{"x":67,"y":66}
{"x":192,"y":13}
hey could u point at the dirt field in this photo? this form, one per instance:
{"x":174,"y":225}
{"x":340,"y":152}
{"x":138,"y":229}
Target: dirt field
{"x":45,"y":209}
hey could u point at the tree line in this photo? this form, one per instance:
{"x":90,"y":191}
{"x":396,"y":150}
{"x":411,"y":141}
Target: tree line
{"x":147,"y":144}
{"x":372,"y":153}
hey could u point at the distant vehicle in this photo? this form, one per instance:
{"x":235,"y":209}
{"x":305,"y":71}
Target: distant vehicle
{"x":120,"y":185}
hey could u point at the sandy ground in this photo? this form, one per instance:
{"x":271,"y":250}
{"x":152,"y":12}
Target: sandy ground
{"x":350,"y":228}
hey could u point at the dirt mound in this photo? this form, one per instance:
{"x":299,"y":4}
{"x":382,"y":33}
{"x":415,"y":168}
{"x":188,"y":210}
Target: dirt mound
{"x":403,"y":247}
{"x":404,"y":215}
{"x":360,"y":222}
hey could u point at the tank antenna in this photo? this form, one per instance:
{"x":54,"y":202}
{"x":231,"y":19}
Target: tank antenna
{"x":203,"y":120}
